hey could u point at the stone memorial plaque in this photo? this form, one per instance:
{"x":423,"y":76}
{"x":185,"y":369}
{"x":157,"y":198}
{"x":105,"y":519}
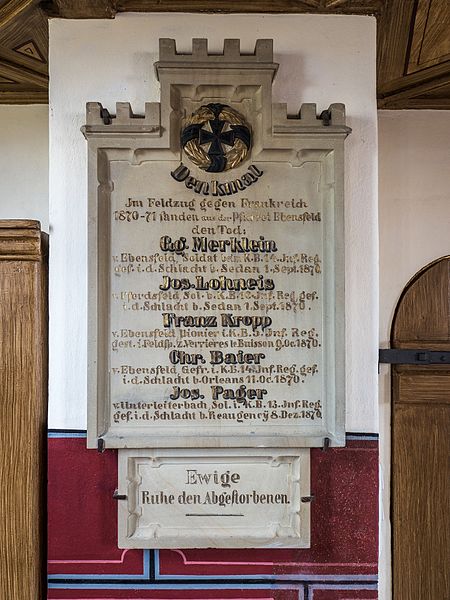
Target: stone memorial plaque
{"x":216,"y":263}
{"x":183,"y":498}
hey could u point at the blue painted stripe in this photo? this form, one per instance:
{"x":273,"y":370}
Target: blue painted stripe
{"x":198,"y":586}
{"x":66,"y":433}
{"x":353,"y":435}
{"x":345,"y":586}
{"x":304,"y":577}
{"x":216,"y":586}
{"x":313,"y":588}
{"x":145,"y":573}
{"x":297,"y":576}
{"x":365,"y":438}
{"x":157,"y":564}
{"x":81,"y":433}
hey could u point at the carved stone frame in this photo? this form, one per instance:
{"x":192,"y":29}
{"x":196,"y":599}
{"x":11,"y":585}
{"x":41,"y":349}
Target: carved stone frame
{"x":245,"y":81}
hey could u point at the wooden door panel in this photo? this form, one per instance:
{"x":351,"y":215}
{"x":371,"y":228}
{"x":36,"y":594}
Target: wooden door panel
{"x":419,"y":388}
{"x":422,"y":315}
{"x":421,"y":502}
{"x":421,"y":441}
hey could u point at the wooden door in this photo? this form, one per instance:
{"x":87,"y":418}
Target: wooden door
{"x":23,"y":409}
{"x":420,"y":441}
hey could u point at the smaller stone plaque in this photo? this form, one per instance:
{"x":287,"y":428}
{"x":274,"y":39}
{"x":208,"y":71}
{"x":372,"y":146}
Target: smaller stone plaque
{"x":189,"y":499}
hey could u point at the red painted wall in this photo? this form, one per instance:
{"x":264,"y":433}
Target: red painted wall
{"x":85,"y":563}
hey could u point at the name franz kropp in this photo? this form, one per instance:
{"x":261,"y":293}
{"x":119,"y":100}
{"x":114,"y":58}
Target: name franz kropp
{"x":226,"y":320}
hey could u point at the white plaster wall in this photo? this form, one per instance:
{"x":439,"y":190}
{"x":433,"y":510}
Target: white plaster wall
{"x":24,"y":163}
{"x":323,"y":59}
{"x":414,"y":163}
{"x":414,"y":215}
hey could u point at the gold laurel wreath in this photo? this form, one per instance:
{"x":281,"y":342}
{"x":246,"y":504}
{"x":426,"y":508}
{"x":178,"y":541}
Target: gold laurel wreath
{"x":198,"y":155}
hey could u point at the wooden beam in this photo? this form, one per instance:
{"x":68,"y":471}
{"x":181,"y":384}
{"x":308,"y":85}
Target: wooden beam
{"x":438,"y":74}
{"x":416,"y":104}
{"x":22,"y":75}
{"x":365,"y":7}
{"x":416,"y":96}
{"x":12,"y":8}
{"x":86,"y":9}
{"x":23,"y":97}
{"x":103,"y":9}
{"x":426,"y":104}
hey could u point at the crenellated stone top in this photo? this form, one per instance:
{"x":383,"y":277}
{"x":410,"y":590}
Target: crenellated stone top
{"x":231,"y":77}
{"x":230,"y":61}
{"x":308,"y":119}
{"x":124,"y":120}
{"x":98,"y":119}
{"x":263,"y":52}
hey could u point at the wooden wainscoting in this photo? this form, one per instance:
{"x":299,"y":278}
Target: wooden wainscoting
{"x":23,"y":409}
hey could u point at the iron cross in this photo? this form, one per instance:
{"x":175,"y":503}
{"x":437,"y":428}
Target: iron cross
{"x":216,"y":137}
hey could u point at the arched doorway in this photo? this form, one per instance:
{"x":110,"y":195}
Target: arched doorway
{"x":420,"y":437}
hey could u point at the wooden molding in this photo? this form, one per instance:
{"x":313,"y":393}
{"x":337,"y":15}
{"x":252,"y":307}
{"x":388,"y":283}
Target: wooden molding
{"x":432,"y":74}
{"x":422,"y":97}
{"x":22,"y":61}
{"x":418,"y":103}
{"x":20,"y":240}
{"x":86,"y":9}
{"x":22,"y":74}
{"x":12,"y":9}
{"x":407,"y":87}
{"x":104,"y":9}
{"x":11,"y":96}
{"x":364,"y":7}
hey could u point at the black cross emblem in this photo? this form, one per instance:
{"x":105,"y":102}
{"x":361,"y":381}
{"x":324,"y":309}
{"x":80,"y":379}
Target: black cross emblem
{"x":216,"y":137}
